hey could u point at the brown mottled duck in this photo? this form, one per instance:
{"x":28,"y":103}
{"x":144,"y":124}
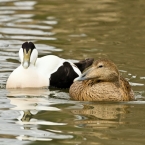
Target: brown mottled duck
{"x":101,"y":82}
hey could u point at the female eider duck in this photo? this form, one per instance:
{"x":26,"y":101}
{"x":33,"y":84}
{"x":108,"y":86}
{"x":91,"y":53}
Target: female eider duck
{"x":46,"y":71}
{"x":101,"y":82}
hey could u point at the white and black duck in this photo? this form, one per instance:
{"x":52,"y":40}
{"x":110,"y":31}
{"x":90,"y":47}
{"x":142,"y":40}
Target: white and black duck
{"x":46,"y":71}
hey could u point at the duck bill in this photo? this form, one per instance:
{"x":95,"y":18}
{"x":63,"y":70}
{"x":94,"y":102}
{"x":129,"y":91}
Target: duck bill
{"x":80,"y":79}
{"x":26,"y":59}
{"x":83,"y":76}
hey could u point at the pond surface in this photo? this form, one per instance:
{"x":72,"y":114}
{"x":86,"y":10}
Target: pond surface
{"x":73,"y":30}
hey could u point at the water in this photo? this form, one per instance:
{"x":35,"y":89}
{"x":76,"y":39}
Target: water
{"x":73,"y":30}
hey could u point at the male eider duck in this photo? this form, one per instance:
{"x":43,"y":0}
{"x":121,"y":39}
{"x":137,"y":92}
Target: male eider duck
{"x":101,"y":82}
{"x":43,"y":72}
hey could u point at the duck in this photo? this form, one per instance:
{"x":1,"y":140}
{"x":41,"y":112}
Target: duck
{"x":101,"y":82}
{"x":44,"y":72}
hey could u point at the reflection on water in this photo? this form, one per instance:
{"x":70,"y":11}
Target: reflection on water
{"x":73,"y":30}
{"x":38,"y":119}
{"x":100,"y":116}
{"x":99,"y":119}
{"x":28,"y":92}
{"x":27,"y":107}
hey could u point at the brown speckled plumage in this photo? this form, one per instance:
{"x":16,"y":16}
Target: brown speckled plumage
{"x":101,"y":82}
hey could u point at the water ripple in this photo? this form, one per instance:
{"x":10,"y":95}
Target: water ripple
{"x":24,"y":31}
{"x":25,"y":3}
{"x":21,"y":37}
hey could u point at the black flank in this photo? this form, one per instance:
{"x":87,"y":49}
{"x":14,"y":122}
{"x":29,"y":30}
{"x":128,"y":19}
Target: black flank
{"x":83,"y":64}
{"x":63,"y":77}
{"x":28,"y":45}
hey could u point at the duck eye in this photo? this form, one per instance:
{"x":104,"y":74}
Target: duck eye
{"x":100,"y":66}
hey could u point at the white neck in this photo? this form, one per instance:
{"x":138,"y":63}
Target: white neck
{"x":33,"y":56}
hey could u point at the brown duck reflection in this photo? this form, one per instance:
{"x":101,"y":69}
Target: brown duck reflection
{"x":100,"y":115}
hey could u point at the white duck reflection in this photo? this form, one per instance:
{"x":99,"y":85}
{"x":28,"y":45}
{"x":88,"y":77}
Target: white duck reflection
{"x":28,"y":103}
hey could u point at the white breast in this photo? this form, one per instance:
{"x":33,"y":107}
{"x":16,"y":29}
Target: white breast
{"x":26,"y":78}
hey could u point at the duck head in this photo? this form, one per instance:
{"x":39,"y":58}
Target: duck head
{"x":102,"y":70}
{"x":28,"y":54}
